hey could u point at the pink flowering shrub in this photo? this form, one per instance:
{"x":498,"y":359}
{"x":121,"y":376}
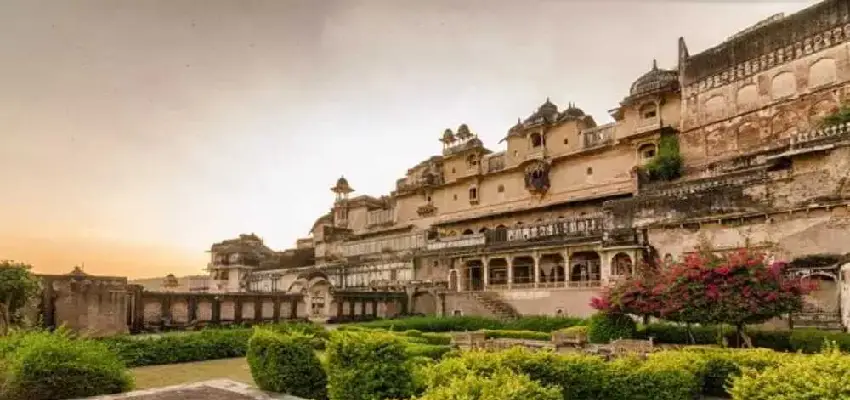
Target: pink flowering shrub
{"x":737,"y":289}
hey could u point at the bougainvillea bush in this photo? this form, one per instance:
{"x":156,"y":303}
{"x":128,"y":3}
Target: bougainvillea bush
{"x":737,"y":289}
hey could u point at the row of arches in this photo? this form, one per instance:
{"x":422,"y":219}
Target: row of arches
{"x":548,"y":270}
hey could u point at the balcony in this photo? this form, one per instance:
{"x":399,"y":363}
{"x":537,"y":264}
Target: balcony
{"x":598,"y":136}
{"x":381,"y":217}
{"x":457,"y":242}
{"x":648,"y":125}
{"x":537,"y":153}
{"x":560,"y":230}
{"x":398,"y":243}
{"x":496,"y":163}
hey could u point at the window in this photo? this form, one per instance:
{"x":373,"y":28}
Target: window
{"x":468,"y":232}
{"x":649,"y":153}
{"x":454,"y":197}
{"x":649,"y":114}
{"x":453,"y":170}
{"x":500,"y":189}
{"x":516,"y":153}
{"x":473,"y":194}
{"x":589,"y":171}
{"x":428,"y":199}
{"x":648,"y":111}
{"x":536,"y":140}
{"x":566,"y":141}
{"x":471,"y":161}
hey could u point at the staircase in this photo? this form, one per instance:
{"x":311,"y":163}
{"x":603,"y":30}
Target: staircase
{"x":493,"y":303}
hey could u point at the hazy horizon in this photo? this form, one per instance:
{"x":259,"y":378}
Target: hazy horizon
{"x":136,"y":134}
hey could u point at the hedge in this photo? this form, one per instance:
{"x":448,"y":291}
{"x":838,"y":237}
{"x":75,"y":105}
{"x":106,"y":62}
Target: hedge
{"x":473,"y":323}
{"x":55,"y":366}
{"x":286,"y":363}
{"x":502,"y":385}
{"x":207,"y":344}
{"x":809,"y":341}
{"x":823,"y":376}
{"x":368,"y":366}
{"x":605,"y":327}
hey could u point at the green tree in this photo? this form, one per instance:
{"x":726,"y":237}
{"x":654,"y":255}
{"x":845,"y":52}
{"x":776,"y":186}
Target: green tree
{"x":17,"y":287}
{"x":667,"y":164}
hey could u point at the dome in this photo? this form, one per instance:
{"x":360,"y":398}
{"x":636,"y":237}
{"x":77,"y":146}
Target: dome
{"x":448,"y":136}
{"x":655,"y":80}
{"x":170,"y":281}
{"x":547,"y":112}
{"x":463,"y":132}
{"x":342,"y":181}
{"x":572,"y":112}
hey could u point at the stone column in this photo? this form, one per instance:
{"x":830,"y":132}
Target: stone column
{"x":510,"y":260}
{"x":486,"y":272}
{"x":351,"y":307}
{"x":276,"y":309}
{"x":536,"y":257}
{"x":604,"y":267}
{"x":567,"y":268}
{"x":293,"y":306}
{"x":339,"y":311}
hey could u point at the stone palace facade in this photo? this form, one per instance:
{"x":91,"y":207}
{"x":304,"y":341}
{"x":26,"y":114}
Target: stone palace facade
{"x":564,"y":208}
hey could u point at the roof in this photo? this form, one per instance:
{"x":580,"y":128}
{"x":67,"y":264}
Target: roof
{"x":656,"y":80}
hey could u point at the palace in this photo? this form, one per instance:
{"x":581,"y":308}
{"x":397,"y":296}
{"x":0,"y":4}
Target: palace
{"x":727,"y":147}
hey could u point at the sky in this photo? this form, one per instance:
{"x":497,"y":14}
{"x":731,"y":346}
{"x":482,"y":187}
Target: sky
{"x":134,"y":134}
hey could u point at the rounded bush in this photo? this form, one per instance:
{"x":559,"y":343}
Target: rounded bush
{"x":47,"y":366}
{"x":368,"y":366}
{"x":502,"y":385}
{"x":823,"y":376}
{"x":286,"y":363}
{"x":605,"y":327}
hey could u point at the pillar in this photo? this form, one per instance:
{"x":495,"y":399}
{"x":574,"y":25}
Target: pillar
{"x":604,"y":267}
{"x":339,"y":311}
{"x":48,"y":305}
{"x":375,"y":308}
{"x":351,"y":307}
{"x":237,"y":309}
{"x":536,"y":257}
{"x":486,"y":272}
{"x":510,"y":271}
{"x":192,"y":305}
{"x":276,"y":309}
{"x":293,"y":306}
{"x":567,"y":268}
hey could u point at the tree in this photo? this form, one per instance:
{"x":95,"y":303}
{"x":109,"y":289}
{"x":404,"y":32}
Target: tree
{"x":735,"y":289}
{"x":17,"y":287}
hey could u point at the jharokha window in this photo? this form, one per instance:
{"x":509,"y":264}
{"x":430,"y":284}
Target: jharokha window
{"x":473,"y":195}
{"x":536,"y":140}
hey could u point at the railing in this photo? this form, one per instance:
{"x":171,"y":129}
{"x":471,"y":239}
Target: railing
{"x":380,"y":217}
{"x":598,"y":136}
{"x":537,"y":153}
{"x":820,"y":135}
{"x":386,"y":244}
{"x":701,"y":185}
{"x":403,"y":185}
{"x":581,"y":284}
{"x":496,"y":163}
{"x":453,"y":242}
{"x":647,"y":125}
{"x":582,"y":226}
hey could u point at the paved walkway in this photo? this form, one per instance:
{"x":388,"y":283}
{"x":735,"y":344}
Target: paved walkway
{"x":219,"y":389}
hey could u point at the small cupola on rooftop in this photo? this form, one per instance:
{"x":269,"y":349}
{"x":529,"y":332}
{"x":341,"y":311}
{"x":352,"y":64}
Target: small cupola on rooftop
{"x":342,"y":188}
{"x":655,"y":81}
{"x":547,"y":112}
{"x":572,"y":112}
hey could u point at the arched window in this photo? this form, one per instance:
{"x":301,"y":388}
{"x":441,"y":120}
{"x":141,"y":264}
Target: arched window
{"x":500,"y":189}
{"x":473,"y":194}
{"x":471,"y":160}
{"x":646,"y":152}
{"x":468,"y":232}
{"x":648,"y":111}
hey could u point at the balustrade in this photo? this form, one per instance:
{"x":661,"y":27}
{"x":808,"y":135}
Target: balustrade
{"x":387,"y":244}
{"x":598,"y":136}
{"x":582,"y":226}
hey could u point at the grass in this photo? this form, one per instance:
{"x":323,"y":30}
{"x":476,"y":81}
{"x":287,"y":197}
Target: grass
{"x":177,"y":374}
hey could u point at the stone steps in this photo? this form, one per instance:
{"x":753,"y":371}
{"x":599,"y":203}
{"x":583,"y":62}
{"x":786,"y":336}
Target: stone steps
{"x":495,"y":305}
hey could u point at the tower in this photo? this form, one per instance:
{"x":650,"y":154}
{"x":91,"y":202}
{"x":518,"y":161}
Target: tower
{"x":342,"y":189}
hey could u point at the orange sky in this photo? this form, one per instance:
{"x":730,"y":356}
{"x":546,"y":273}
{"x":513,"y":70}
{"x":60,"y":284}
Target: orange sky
{"x":133,"y":134}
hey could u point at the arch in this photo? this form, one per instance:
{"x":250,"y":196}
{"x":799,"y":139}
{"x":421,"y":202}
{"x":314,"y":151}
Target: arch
{"x":425,"y":303}
{"x":310,"y":274}
{"x":473,"y":193}
{"x":473,"y":276}
{"x":471,"y":160}
{"x":483,"y":230}
{"x":646,"y":152}
{"x":500,"y":188}
{"x":453,"y":280}
{"x":585,"y":266}
{"x":748,"y":136}
{"x":648,"y":110}
{"x":668,"y":258}
{"x":559,"y":312}
{"x":716,"y":144}
{"x":552,"y":271}
{"x":825,"y":297}
{"x":523,"y":270}
{"x":782,"y":85}
{"x":500,"y":226}
{"x":784,"y":124}
{"x":622,"y":265}
{"x":457,"y":313}
{"x":714,"y":107}
{"x":467,"y":232}
{"x":497,"y":270}
{"x":822,"y":109}
{"x":822,"y":72}
{"x":747,"y":97}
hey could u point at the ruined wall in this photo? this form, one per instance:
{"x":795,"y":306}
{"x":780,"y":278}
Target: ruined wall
{"x":91,"y":305}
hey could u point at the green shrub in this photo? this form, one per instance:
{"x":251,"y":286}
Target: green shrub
{"x":541,"y":323}
{"x":667,"y":164}
{"x":812,"y":340}
{"x":368,"y":366}
{"x":437,"y":338}
{"x":605,"y":327}
{"x":823,"y":376}
{"x":286,"y":363}
{"x":629,"y":379}
{"x":502,"y":385}
{"x":527,"y":335}
{"x":432,"y":351}
{"x":47,"y":366}
{"x":208,"y":344}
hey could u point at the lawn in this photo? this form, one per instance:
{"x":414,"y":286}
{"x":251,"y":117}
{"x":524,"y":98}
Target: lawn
{"x":177,"y":374}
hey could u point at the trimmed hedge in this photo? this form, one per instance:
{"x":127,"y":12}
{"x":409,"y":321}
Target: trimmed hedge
{"x":809,"y":341}
{"x":207,"y":344}
{"x":502,"y":385}
{"x":823,"y":376}
{"x":286,"y":363}
{"x":55,"y":366}
{"x":368,"y":366}
{"x":527,"y":335}
{"x":605,"y":327}
{"x":473,"y":323}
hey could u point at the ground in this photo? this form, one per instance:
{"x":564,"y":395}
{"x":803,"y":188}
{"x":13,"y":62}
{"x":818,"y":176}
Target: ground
{"x":235,"y":369}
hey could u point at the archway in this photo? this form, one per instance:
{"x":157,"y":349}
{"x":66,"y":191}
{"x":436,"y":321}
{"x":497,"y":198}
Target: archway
{"x":523,"y":271}
{"x":825,"y":298}
{"x":474,"y":276}
{"x":453,"y":280}
{"x":621,"y":265}
{"x":425,"y":303}
{"x":498,"y":273}
{"x":552,"y":272}
{"x":585,"y":268}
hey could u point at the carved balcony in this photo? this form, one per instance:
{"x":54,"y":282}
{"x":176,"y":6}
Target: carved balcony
{"x":456,"y":242}
{"x":579,"y":228}
{"x":598,"y":136}
{"x":648,"y":125}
